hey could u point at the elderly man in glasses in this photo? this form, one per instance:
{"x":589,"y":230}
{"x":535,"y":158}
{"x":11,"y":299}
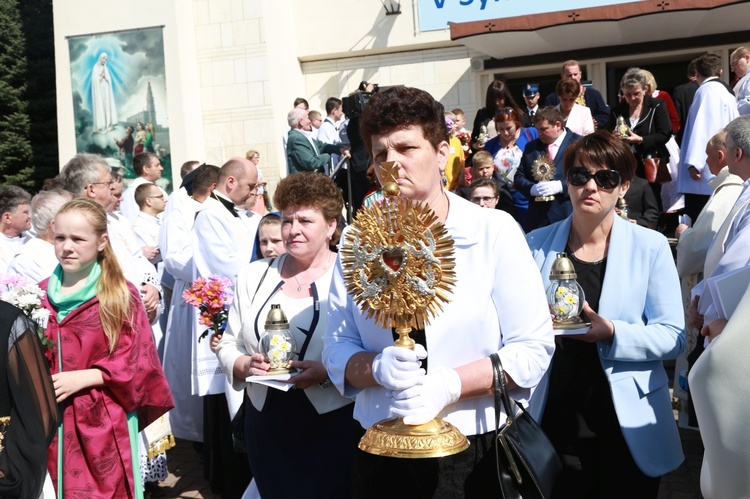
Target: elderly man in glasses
{"x":540,"y":175}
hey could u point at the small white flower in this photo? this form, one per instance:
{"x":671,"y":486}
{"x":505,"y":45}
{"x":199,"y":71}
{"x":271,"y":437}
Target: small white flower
{"x":40,"y":316}
{"x":28,"y":301}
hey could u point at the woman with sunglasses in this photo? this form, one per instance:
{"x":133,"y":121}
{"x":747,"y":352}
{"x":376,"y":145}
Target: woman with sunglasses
{"x":608,"y":410}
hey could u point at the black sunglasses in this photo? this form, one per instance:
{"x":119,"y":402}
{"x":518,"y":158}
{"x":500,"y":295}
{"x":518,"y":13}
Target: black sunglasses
{"x":578,"y":176}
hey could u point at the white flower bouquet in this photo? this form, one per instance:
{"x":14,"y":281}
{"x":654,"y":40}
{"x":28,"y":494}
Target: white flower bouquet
{"x":21,"y":292}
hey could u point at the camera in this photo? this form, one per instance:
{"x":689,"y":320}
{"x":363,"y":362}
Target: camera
{"x":354,"y":103}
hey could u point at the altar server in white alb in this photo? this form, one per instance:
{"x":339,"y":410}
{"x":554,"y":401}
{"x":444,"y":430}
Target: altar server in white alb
{"x":176,"y":243}
{"x":151,"y":201}
{"x":37,"y":260}
{"x":712,"y":109}
{"x":148,"y":168}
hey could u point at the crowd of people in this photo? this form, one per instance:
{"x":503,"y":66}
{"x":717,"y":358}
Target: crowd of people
{"x":120,"y":355}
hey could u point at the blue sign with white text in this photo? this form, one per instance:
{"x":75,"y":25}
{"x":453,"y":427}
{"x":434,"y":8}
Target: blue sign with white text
{"x":435,"y":14}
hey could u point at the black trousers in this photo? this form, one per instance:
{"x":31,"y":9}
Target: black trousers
{"x":470,"y":474}
{"x":226,"y":470}
{"x":581,"y":422}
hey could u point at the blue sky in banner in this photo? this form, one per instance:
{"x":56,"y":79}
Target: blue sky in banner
{"x":435,"y":14}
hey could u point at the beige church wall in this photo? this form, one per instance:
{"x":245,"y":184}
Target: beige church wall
{"x":445,"y":73}
{"x":84,"y":17}
{"x":346,"y":28}
{"x":249,"y":77}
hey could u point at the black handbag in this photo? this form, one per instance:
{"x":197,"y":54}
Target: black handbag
{"x":527,"y":464}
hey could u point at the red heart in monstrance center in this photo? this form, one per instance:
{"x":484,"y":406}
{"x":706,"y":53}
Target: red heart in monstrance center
{"x":393,"y":258}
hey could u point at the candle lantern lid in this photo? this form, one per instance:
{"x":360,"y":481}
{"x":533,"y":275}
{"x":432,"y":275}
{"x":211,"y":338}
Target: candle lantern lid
{"x":276,"y":318}
{"x":562,"y":268}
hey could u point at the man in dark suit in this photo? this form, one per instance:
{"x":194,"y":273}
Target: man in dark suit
{"x":553,"y":139}
{"x":304,"y":153}
{"x":682,"y":96}
{"x":590,"y":97}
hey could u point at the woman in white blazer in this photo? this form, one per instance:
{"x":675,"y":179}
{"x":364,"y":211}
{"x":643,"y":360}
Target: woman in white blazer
{"x":300,"y":442}
{"x":576,"y":118}
{"x":608,"y":410}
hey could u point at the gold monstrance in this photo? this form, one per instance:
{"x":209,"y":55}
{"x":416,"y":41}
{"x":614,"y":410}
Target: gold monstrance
{"x":543,"y":170}
{"x":399,"y":267}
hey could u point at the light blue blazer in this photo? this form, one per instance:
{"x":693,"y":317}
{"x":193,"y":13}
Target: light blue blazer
{"x":641,"y":296}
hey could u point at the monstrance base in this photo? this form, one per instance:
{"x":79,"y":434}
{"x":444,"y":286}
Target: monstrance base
{"x":393,"y":438}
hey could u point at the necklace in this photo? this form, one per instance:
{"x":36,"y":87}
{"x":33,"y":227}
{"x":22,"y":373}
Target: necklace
{"x":300,"y":284}
{"x":431,"y":203}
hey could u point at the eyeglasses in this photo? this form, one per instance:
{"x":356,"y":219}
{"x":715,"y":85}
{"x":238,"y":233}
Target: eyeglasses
{"x":579,"y":176}
{"x":482,"y":199}
{"x":160,"y":196}
{"x":733,"y":64}
{"x":109,"y":183}
{"x":632,"y":95}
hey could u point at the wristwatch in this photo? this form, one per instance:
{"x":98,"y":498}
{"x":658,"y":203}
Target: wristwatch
{"x":325,"y":383}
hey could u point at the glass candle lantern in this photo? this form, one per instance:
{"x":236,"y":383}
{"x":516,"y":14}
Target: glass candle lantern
{"x":277,"y":342}
{"x":564,"y":295}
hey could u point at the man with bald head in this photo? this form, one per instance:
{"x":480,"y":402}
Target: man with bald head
{"x":222,"y":245}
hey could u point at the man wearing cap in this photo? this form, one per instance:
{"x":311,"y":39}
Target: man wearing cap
{"x":531,"y":96}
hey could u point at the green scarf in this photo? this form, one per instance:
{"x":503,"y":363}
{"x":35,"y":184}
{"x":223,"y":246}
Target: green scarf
{"x":69,"y":302}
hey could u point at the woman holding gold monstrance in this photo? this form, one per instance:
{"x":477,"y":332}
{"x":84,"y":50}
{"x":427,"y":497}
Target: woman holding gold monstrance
{"x":497,"y":305}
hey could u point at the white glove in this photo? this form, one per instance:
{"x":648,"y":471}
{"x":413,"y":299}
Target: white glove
{"x":398,"y":368}
{"x":549,"y":188}
{"x":422,"y":402}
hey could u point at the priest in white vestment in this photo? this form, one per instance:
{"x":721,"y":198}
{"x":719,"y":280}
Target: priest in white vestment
{"x":721,"y":394}
{"x":176,"y":244}
{"x":222,"y":246}
{"x":730,"y":249}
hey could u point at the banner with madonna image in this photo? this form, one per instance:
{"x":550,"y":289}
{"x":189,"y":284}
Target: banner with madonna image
{"x":120,"y":97}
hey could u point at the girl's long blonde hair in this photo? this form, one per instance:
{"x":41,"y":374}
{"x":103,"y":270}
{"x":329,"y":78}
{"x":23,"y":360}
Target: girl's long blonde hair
{"x":112,"y":290}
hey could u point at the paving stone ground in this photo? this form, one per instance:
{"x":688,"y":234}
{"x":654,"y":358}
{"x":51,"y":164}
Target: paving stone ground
{"x":186,"y":473}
